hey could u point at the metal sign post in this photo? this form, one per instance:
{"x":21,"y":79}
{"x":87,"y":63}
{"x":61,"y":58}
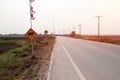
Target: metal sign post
{"x":46,"y":31}
{"x":46,"y":38}
{"x":32,"y":48}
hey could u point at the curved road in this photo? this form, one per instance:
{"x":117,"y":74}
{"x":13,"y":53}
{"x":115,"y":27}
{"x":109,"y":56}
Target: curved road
{"x":76,"y":59}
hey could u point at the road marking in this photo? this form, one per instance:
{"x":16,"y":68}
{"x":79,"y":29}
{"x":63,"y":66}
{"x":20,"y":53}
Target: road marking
{"x":50,"y":66}
{"x":81,"y":76}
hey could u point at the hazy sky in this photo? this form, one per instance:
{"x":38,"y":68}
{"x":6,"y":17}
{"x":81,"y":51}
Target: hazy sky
{"x":14,"y":16}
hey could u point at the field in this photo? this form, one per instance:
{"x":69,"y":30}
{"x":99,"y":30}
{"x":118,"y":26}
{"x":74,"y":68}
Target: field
{"x":106,"y":39}
{"x":16,"y":62}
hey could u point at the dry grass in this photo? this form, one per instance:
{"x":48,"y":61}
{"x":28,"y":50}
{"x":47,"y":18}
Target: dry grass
{"x":106,"y":39}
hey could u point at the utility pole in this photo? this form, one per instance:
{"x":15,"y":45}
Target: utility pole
{"x":65,"y":32}
{"x":59,"y":33}
{"x":99,"y":17}
{"x":68,"y":31}
{"x":80,"y":29}
{"x":74,"y":29}
{"x":53,"y":27}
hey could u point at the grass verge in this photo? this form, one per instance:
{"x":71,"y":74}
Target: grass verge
{"x":16,"y":62}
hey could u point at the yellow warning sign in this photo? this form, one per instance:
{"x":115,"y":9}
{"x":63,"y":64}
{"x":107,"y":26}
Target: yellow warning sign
{"x":46,"y":31}
{"x":31,"y":34}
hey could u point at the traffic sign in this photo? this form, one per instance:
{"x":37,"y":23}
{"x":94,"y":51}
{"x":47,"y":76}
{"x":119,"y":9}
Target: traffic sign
{"x":31,"y":34}
{"x":46,"y":31}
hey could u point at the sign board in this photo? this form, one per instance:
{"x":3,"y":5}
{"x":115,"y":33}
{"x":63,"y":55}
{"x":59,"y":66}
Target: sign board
{"x":45,"y":31}
{"x":31,"y":34}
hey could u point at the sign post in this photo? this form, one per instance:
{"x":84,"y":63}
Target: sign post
{"x":46,"y":32}
{"x":31,"y":34}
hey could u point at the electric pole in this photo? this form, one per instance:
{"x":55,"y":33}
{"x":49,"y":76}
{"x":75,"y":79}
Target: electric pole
{"x":68,"y":31}
{"x":65,"y":32}
{"x":53,"y":27}
{"x":99,"y":17}
{"x":59,"y":32}
{"x":80,"y":29}
{"x":74,"y":29}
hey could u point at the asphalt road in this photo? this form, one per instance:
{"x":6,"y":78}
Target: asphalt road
{"x":75,"y":59}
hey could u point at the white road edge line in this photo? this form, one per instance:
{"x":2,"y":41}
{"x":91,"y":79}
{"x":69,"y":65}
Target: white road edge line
{"x":50,"y":65}
{"x":74,"y":65}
